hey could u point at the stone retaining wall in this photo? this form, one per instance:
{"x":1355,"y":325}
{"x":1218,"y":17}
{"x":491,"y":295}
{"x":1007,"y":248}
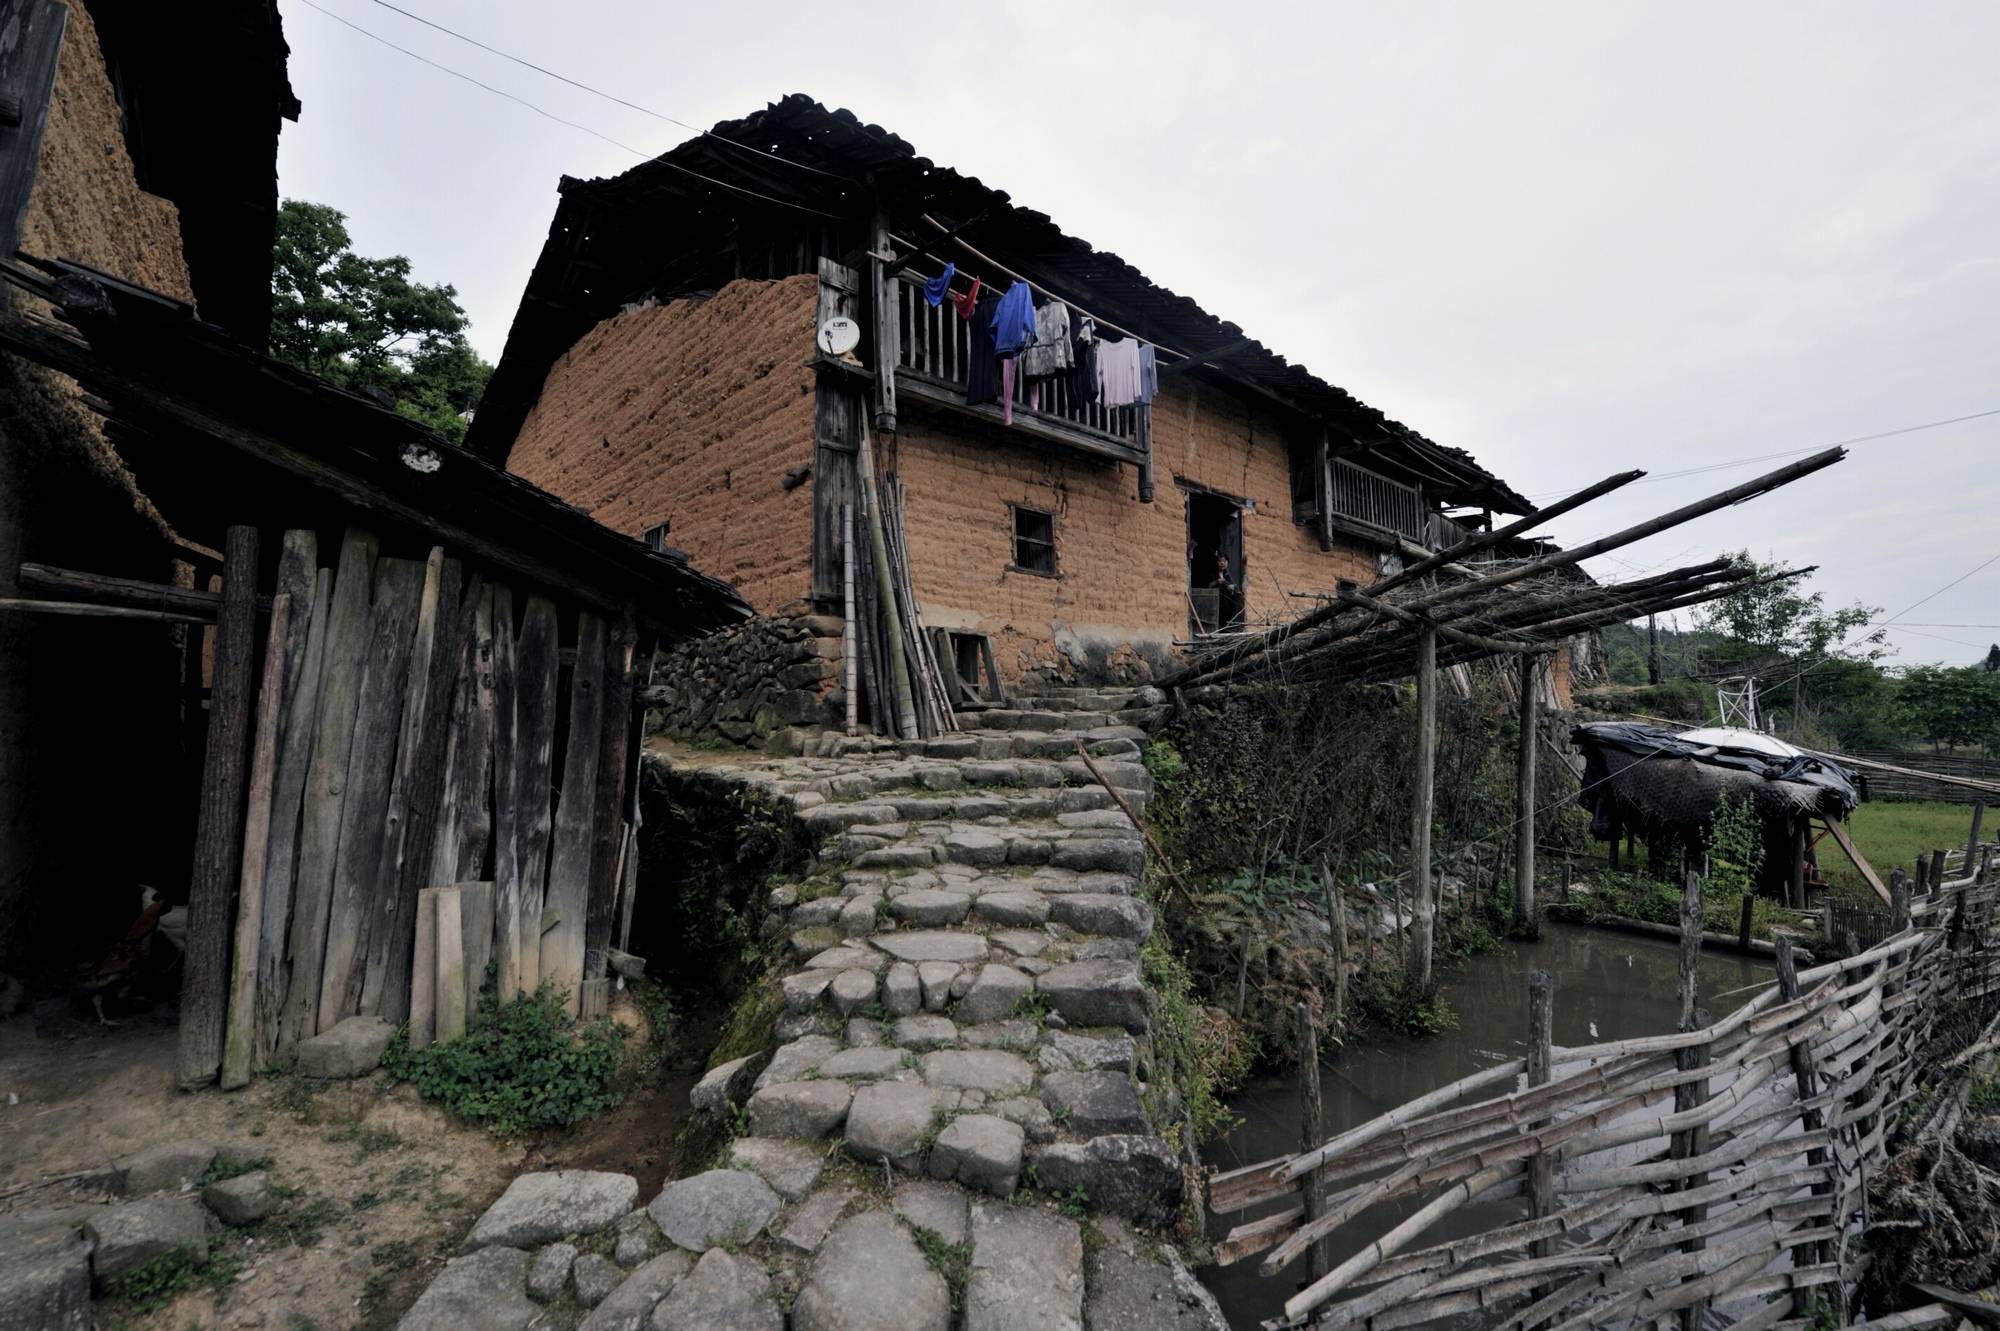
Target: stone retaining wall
{"x":748,"y":682}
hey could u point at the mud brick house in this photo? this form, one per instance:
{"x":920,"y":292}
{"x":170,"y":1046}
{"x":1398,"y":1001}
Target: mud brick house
{"x":140,"y":139}
{"x":663,"y":372}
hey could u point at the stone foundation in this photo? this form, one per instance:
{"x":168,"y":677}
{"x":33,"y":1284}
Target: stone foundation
{"x":748,"y":682}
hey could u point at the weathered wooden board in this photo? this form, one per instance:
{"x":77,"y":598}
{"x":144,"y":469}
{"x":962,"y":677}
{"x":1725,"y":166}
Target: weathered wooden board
{"x":533,"y":744}
{"x":385,"y":889}
{"x":465,"y":817}
{"x":371,"y":771}
{"x":570,"y":858}
{"x":326,"y":783}
{"x":506,"y":819}
{"x":450,"y":965}
{"x":239,"y":1035}
{"x":1865,"y":869}
{"x":422,"y":783}
{"x":218,"y":844}
{"x":32,"y":44}
{"x":300,"y":575}
{"x":608,"y":819}
{"x":475,"y":914}
{"x":423,"y":971}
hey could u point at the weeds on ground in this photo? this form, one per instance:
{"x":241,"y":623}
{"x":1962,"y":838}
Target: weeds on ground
{"x":952,"y":1262}
{"x":218,"y":1170}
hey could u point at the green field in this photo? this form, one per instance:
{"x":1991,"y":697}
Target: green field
{"x":1890,"y":835}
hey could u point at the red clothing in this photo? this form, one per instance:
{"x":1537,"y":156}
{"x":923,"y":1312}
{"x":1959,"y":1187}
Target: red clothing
{"x":963,"y":304}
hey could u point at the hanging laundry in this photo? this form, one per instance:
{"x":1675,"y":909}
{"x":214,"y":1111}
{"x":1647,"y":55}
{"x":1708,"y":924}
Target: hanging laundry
{"x":1014,"y":321}
{"x":982,"y":369}
{"x":1007,"y":367}
{"x":1149,"y":373}
{"x":1118,"y":371}
{"x":1083,"y":368}
{"x":966,"y":301}
{"x":935,"y":288}
{"x":1049,"y":353}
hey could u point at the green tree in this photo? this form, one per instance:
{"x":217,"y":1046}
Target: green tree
{"x":365,"y":324}
{"x":1789,"y":638}
{"x":1951,"y":705}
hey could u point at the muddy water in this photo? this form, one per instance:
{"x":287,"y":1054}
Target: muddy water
{"x":1609,"y":986}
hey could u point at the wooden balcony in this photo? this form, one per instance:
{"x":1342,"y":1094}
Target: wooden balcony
{"x":934,"y":352}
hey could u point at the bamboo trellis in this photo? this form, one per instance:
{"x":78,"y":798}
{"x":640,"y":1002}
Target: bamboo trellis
{"x":1719,"y":1169}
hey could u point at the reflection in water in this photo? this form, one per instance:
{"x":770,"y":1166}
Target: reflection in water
{"x":1609,"y":986}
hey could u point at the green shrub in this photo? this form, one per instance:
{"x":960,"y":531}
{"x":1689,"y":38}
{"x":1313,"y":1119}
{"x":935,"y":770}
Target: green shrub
{"x":1735,"y":847}
{"x":523,"y":1065}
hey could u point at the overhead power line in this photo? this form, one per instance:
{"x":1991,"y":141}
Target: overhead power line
{"x":607,"y":96}
{"x":550,"y":115}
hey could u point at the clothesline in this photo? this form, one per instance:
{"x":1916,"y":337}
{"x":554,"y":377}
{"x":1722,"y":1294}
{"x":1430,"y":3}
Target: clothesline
{"x":1041,"y":290}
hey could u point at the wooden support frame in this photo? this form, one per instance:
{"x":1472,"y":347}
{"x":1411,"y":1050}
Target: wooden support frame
{"x":34,"y":30}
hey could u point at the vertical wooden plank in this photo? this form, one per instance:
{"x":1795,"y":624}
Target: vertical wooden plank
{"x":628,"y":884}
{"x":371,"y":770}
{"x":1806,"y":1078}
{"x":423,"y":971}
{"x":1972,"y":841}
{"x":305,"y":660}
{"x":450,"y":965}
{"x":476,"y":918}
{"x":1541,"y":1066}
{"x":1524,"y":799}
{"x":882,"y":296}
{"x":1421,"y":804}
{"x":31,"y":36}
{"x":506,"y":818}
{"x":239,"y":1035}
{"x":535,"y":669}
{"x":465,"y":819}
{"x":326,"y":784}
{"x":218,"y":845}
{"x":608,"y":820}
{"x":570,"y":859}
{"x":422,"y":784}
{"x":382,"y":892}
{"x":1311,"y":1121}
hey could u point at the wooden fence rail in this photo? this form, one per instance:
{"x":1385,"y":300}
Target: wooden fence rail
{"x":1721,"y":1167}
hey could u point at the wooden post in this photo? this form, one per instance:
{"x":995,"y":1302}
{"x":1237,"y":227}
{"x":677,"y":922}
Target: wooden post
{"x":882,"y":284}
{"x":568,"y":894}
{"x":1524,"y":800}
{"x":1810,"y":1120}
{"x":1797,"y":881}
{"x":1311,"y":1124}
{"x":608,"y":820}
{"x":1243,"y":971}
{"x":1655,"y":663}
{"x":1899,"y":903}
{"x":239,"y":1039}
{"x":218,"y":843}
{"x":1336,"y":921}
{"x":1691,"y":1094}
{"x":1749,"y":913}
{"x":423,"y":971}
{"x":506,"y":813}
{"x":1972,"y":841}
{"x":1568,"y":873}
{"x":1920,"y":878}
{"x":534,"y":756}
{"x":1421,"y":804}
{"x":1541,"y":1066}
{"x":1937,"y":871}
{"x":34,"y":36}
{"x":849,"y":666}
{"x":475,"y":916}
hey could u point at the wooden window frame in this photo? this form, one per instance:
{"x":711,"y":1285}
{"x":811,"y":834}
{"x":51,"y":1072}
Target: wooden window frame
{"x":655,"y":535}
{"x":1014,"y":565}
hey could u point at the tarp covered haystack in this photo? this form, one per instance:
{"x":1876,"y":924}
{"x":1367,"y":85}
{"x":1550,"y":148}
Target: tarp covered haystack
{"x":1660,"y":781}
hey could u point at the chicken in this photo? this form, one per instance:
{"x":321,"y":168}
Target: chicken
{"x":137,"y":964}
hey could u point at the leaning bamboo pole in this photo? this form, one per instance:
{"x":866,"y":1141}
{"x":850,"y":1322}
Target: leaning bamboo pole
{"x":892,"y":625}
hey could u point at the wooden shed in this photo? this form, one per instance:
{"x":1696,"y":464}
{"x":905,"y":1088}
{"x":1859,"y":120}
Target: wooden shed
{"x":418,"y":672}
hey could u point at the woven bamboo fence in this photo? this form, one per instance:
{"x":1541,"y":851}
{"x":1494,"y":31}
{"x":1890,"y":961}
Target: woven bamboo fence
{"x":1713,"y":1176}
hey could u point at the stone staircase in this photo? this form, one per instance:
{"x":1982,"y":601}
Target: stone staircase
{"x":958,"y":1097}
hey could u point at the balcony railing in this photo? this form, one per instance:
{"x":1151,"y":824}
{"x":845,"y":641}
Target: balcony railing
{"x":1359,"y":495}
{"x":934,"y":353}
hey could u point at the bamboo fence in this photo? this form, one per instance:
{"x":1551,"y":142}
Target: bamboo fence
{"x":1713,"y":1176}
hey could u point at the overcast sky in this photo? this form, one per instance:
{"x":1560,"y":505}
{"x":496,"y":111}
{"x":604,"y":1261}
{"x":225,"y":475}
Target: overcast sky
{"x":1571,"y":238}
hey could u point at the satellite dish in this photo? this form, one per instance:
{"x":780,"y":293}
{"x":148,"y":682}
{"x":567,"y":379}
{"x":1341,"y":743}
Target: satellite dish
{"x":839,"y":335}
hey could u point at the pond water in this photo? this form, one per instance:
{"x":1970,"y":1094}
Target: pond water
{"x":1609,"y":986}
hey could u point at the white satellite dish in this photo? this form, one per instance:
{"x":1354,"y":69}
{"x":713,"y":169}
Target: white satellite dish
{"x":839,"y":335}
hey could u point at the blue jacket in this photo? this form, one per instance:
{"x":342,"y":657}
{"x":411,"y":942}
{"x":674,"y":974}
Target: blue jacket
{"x":1014,"y":321}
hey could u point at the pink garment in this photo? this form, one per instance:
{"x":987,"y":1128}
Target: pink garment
{"x":1118,"y":372}
{"x":1007,"y":389}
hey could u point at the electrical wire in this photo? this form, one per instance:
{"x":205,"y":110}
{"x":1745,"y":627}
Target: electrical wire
{"x":609,"y":97}
{"x":550,"y":115}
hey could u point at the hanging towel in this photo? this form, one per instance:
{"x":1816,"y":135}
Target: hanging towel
{"x":1014,"y":321}
{"x":1118,"y":371}
{"x":982,"y":367}
{"x":966,"y":301}
{"x":1049,"y":353}
{"x":1149,"y":373}
{"x":935,"y":289}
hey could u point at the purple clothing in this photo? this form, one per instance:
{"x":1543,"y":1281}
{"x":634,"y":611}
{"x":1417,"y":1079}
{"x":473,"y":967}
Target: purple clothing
{"x":1118,"y":372}
{"x":1149,"y":373}
{"x":1014,"y":321}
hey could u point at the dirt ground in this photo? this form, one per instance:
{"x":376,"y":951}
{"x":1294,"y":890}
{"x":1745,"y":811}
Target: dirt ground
{"x":379,"y":1186}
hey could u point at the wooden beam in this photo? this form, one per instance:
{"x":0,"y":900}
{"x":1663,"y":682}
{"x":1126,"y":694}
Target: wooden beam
{"x":1415,"y":619}
{"x":1422,"y":807}
{"x":96,"y":588}
{"x":1862,"y":866}
{"x":34,"y":33}
{"x":218,"y":844}
{"x":84,"y":610}
{"x":1525,"y":798}
{"x":925,"y":247}
{"x":1200,"y":358}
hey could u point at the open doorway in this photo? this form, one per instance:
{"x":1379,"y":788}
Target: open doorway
{"x":1215,"y":560}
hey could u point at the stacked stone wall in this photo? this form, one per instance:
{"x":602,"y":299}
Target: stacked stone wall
{"x":749,"y":682}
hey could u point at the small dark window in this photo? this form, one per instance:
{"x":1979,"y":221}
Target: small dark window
{"x":656,"y":535}
{"x":1034,"y":541}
